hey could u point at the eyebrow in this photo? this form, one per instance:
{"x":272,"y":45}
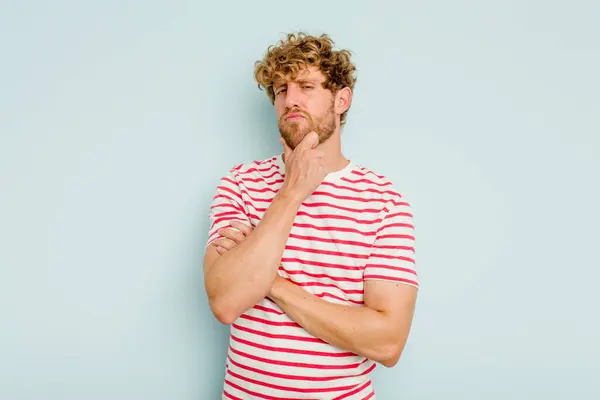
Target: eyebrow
{"x":278,"y":84}
{"x":313,"y":81}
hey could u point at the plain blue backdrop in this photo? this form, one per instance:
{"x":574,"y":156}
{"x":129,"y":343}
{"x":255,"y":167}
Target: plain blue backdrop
{"x":117,"y":118}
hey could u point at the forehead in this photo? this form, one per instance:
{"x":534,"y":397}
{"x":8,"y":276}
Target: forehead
{"x":311,"y":74}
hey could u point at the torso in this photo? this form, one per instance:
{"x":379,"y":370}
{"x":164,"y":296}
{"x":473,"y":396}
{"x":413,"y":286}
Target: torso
{"x":270,"y":356}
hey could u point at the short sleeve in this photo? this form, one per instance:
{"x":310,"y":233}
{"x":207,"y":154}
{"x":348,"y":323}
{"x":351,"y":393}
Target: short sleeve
{"x":392,"y":255}
{"x":227,"y":205}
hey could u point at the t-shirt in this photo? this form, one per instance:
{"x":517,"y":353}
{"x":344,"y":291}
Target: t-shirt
{"x":355,"y":226}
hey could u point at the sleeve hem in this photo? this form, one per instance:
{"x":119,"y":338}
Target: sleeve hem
{"x":405,"y":281}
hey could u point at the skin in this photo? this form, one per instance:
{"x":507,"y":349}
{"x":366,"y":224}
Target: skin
{"x":241,"y":267}
{"x":243,"y":276}
{"x":321,"y":109}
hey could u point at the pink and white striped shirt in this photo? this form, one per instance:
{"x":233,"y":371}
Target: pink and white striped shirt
{"x":354,"y":227}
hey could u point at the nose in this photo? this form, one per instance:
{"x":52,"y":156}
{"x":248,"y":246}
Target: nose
{"x":293,"y":97}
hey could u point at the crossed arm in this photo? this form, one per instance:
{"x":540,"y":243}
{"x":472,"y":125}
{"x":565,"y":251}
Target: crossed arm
{"x":377,"y":331}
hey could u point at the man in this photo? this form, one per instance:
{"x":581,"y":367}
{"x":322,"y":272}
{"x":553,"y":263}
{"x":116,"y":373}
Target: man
{"x":310,"y":258}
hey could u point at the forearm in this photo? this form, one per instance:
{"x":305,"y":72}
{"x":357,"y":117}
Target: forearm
{"x":361,"y":330}
{"x":243,"y":276}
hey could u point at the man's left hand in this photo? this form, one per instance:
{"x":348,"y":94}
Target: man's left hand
{"x":232,"y":236}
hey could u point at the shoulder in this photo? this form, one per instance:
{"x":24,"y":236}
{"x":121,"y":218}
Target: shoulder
{"x":396,"y":206}
{"x":254,"y":169}
{"x":371,"y":181}
{"x":261,"y":165}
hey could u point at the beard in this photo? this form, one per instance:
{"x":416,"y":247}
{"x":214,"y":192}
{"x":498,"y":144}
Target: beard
{"x":294,"y":131}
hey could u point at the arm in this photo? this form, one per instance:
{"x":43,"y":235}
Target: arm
{"x":380,"y":328}
{"x":241,"y":277}
{"x":377,"y":331}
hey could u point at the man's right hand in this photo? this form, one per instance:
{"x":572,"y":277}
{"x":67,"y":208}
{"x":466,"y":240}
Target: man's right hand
{"x":304,"y":170}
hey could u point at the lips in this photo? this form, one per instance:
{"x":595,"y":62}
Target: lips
{"x":294,"y":117}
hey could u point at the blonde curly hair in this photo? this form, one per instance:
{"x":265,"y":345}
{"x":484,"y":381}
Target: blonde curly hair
{"x":299,"y":51}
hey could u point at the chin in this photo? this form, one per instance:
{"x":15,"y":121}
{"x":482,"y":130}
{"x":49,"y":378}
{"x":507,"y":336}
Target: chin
{"x":293,"y":135}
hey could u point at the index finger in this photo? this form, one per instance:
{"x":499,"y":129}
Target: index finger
{"x":310,"y":141}
{"x":245,"y":229}
{"x":287,"y":151}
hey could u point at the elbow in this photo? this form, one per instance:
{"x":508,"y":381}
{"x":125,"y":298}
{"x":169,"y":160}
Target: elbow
{"x":390,"y":355}
{"x":389,"y":345}
{"x":390,"y":362}
{"x":222,"y":307}
{"x":225,"y":319}
{"x":223,"y":314}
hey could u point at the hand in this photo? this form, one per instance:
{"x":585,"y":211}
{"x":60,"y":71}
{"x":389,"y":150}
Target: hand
{"x":232,"y":236}
{"x":304,"y":167}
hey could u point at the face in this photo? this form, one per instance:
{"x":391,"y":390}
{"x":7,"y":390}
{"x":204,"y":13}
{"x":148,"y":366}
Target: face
{"x":304,"y":105}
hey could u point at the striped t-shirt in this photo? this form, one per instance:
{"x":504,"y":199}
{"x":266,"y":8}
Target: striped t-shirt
{"x":355,"y":226}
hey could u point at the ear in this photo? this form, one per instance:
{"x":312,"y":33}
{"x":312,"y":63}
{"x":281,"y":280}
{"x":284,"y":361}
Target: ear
{"x":343,"y":99}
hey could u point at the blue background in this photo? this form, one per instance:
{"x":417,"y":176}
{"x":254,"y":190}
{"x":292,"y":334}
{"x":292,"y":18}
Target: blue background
{"x":117,"y":119}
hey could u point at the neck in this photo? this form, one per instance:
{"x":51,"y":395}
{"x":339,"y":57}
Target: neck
{"x":334,"y":159}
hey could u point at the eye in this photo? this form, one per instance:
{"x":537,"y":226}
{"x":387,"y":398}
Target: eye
{"x":280,"y":91}
{"x":308,"y":87}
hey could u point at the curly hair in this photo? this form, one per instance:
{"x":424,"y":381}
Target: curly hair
{"x":299,"y":51}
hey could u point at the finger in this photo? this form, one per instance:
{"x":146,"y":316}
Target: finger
{"x":310,"y":141}
{"x":287,"y":151}
{"x":232,"y":234}
{"x":221,"y":250}
{"x":246,"y":229}
{"x":226,"y":243}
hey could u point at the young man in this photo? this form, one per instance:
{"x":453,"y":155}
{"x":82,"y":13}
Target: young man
{"x":310,"y":258}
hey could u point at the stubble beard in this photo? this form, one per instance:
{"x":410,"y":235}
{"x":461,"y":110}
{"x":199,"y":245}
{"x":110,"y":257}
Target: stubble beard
{"x":294,"y":131}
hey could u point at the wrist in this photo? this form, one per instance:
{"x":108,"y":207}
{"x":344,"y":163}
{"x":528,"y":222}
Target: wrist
{"x":290,"y":196}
